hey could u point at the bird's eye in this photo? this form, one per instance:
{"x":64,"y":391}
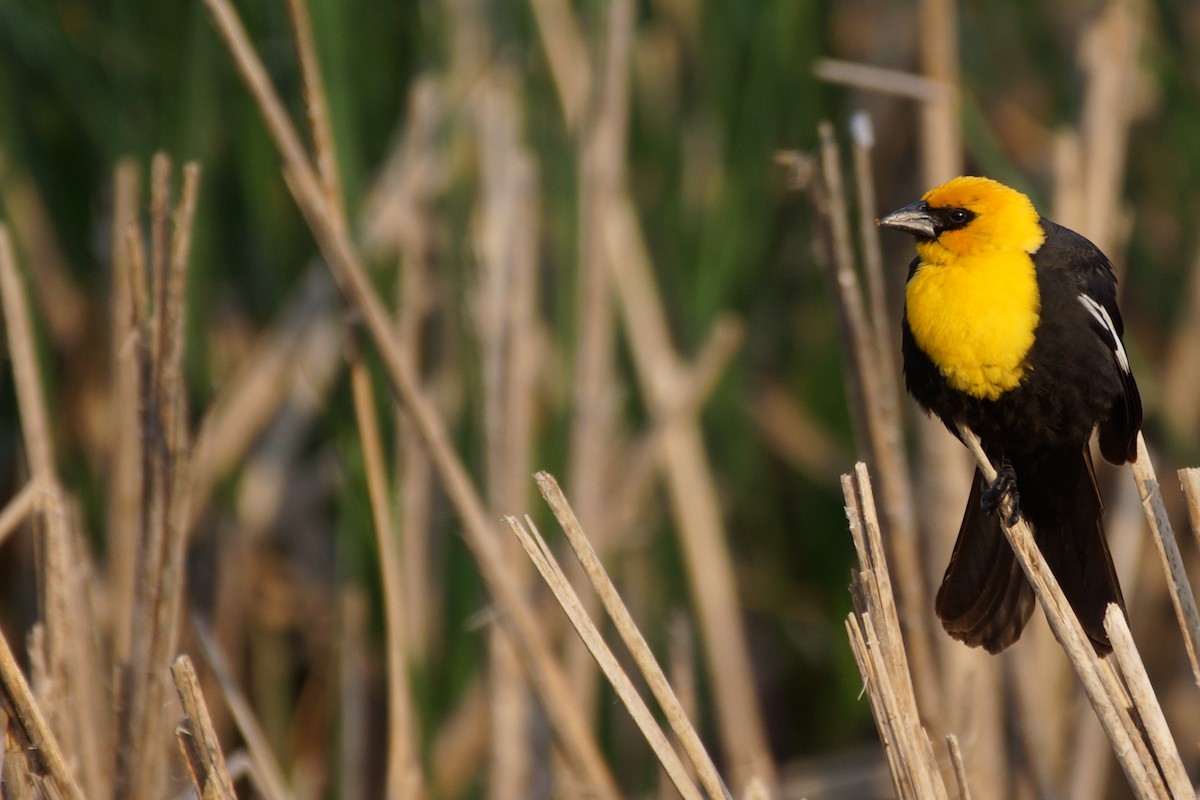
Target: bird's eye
{"x":958,"y":216}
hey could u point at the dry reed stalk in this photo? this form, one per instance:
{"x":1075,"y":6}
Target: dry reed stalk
{"x":1131,"y":751}
{"x":68,"y":653}
{"x":404,"y":779}
{"x":19,"y":509}
{"x":1150,"y":714}
{"x":875,"y":638}
{"x":1182,"y":597}
{"x":594,"y":390}
{"x":271,"y":784}
{"x":197,"y":740}
{"x":694,"y":503}
{"x":566,"y":52}
{"x":960,"y":769}
{"x":18,"y":782}
{"x":539,"y":552}
{"x":884,"y":81}
{"x":647,"y":664}
{"x":319,"y":124}
{"x":872,"y":387}
{"x":345,"y":263}
{"x":166,"y":497}
{"x":27,"y":726}
{"x":125,"y":463}
{"x":1189,"y":479}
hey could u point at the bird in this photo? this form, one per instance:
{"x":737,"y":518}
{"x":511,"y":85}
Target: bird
{"x":1011,"y":327}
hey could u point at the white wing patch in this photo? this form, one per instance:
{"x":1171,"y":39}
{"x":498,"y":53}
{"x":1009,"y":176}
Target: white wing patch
{"x":1100,"y":314}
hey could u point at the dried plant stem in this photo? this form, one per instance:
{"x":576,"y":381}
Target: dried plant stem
{"x":18,"y":509}
{"x":884,"y":81}
{"x":656,"y":679}
{"x":31,"y":729}
{"x":566,"y":52}
{"x":404,"y":776}
{"x":481,"y":536}
{"x":1190,"y":481}
{"x":875,"y":638}
{"x":271,"y":780}
{"x":125,"y":462}
{"x":69,"y":656}
{"x":1141,"y":692}
{"x":1165,"y":542}
{"x":197,"y":740}
{"x":960,"y":770}
{"x":1131,"y":752}
{"x":539,"y":552}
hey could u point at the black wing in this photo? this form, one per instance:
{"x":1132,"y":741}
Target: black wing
{"x":1096,"y":284}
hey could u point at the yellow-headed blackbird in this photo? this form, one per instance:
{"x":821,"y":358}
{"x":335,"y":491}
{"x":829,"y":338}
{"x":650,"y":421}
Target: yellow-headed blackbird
{"x":1011,"y":327}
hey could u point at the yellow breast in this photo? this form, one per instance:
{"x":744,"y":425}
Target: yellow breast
{"x":974,"y":318}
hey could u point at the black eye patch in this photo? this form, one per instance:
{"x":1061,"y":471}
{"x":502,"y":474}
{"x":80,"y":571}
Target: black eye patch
{"x":950,"y":219}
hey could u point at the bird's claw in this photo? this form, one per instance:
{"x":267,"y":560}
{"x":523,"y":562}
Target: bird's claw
{"x":992,"y":496}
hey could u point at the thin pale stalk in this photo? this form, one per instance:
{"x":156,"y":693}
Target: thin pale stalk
{"x":1182,"y":597}
{"x":539,"y":552}
{"x":879,"y":79}
{"x":125,"y":464}
{"x":197,"y":740}
{"x":960,"y":769}
{"x":1141,"y":692}
{"x":1189,"y":479}
{"x":273,"y":785}
{"x":18,"y":509}
{"x":324,"y":151}
{"x":404,"y":779}
{"x":30,"y":728}
{"x":566,"y":52}
{"x":656,"y":679}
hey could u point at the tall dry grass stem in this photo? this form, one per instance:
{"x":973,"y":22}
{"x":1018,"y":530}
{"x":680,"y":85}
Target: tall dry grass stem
{"x":1180,"y":587}
{"x":197,"y":740}
{"x":875,"y":639}
{"x":655,"y":678}
{"x":539,"y":552}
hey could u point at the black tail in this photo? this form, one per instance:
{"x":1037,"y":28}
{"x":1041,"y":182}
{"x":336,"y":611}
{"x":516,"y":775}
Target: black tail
{"x":985,"y":599}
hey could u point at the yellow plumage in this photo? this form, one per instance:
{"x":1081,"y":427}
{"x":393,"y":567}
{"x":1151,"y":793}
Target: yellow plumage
{"x":973,"y":302}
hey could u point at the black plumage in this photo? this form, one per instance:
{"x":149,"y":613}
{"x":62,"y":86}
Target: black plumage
{"x":1076,"y":378}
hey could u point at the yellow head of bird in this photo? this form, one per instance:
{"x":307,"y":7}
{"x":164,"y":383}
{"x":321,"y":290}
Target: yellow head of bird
{"x":969,"y":216}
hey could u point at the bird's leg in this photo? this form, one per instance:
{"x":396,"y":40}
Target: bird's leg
{"x":994,"y":493}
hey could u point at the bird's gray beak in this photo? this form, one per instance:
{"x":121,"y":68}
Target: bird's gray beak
{"x":914,"y":218}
